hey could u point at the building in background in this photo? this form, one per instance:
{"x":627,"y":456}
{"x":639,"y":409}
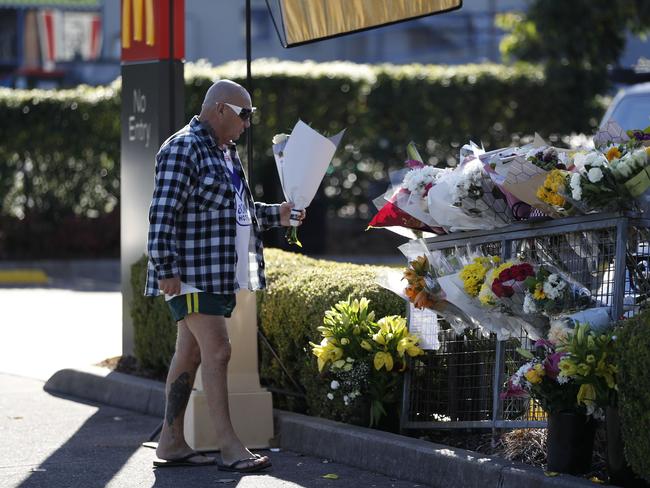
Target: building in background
{"x":66,"y":42}
{"x":49,"y":43}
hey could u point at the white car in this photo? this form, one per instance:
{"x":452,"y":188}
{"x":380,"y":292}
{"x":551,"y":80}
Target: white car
{"x":630,"y":108}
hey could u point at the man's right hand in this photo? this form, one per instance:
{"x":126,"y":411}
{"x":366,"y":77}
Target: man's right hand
{"x":170,"y":286}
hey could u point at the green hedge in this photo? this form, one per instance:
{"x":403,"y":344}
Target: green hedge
{"x":154,"y":329}
{"x":633,"y":349}
{"x":300,"y":290}
{"x":60,"y":149}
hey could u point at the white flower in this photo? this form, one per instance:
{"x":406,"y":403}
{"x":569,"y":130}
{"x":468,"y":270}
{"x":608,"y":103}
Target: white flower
{"x":562,"y":379}
{"x":416,"y":180}
{"x":330,"y":396}
{"x":559,"y":331}
{"x":346,"y":399}
{"x":595,"y":175}
{"x":595,"y":159}
{"x":576,"y":189}
{"x":563,"y":158}
{"x":553,"y":286}
{"x":279,"y":138}
{"x":470,"y":176}
{"x":579,"y":160}
{"x":529,"y":304}
{"x":334,"y":385}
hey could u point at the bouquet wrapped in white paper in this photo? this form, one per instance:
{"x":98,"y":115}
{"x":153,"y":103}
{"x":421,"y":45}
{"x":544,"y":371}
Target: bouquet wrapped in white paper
{"x":302,"y":159}
{"x":467,"y":198}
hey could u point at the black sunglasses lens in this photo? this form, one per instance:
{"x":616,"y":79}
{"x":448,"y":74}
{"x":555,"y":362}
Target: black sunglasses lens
{"x":245,"y":114}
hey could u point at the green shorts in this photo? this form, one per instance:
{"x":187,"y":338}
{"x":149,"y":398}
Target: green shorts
{"x":201,"y":302}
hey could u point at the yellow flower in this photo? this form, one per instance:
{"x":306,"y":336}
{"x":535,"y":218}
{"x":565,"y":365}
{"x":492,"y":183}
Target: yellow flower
{"x":539,"y":294}
{"x":613,"y":153}
{"x":549,"y":191}
{"x":535,"y":374}
{"x":345,"y":341}
{"x":590,"y":359}
{"x":586,"y":394}
{"x":326,"y":351}
{"x":584,"y":369}
{"x":607,"y":371}
{"x":366,"y":345}
{"x":379,"y":338}
{"x":409,"y":346}
{"x":567,"y":367}
{"x":383,"y":359}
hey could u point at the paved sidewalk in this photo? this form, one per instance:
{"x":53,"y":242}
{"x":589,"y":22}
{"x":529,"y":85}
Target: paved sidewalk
{"x":58,"y":442}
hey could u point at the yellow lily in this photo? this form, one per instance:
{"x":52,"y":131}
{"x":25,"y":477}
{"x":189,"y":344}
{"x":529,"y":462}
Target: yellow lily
{"x":586,"y":394}
{"x":379,"y":338}
{"x":366,"y":345}
{"x":383,"y":359}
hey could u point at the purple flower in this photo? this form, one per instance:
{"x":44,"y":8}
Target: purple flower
{"x":552,"y":364}
{"x":513,"y":390}
{"x":545,"y":343}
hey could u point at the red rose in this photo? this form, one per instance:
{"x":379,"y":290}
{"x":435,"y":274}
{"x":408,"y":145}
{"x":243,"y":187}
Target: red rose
{"x":506,"y":274}
{"x":502,"y":291}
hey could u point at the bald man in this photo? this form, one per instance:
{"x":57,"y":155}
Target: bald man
{"x":205,"y":244}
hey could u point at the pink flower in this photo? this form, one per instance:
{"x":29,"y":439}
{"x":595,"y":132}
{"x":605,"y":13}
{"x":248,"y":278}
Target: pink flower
{"x":414,"y":164}
{"x":513,"y":391}
{"x":552,"y":364}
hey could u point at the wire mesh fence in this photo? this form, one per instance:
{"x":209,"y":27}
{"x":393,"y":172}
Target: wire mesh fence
{"x":457,"y":383}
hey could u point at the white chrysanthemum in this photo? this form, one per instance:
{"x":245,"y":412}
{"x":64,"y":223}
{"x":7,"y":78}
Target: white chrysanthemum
{"x":334,"y":385}
{"x":330,"y":396}
{"x":595,"y":175}
{"x":576,"y":188}
{"x":595,"y":159}
{"x":553,"y":287}
{"x":529,"y":304}
{"x":417,"y":179}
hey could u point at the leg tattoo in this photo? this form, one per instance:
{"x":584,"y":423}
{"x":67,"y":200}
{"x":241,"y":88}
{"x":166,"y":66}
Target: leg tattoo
{"x":179,"y":395}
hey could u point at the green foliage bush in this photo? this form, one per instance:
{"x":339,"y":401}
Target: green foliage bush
{"x":300,"y":290}
{"x":154,"y":329}
{"x":633,"y":351}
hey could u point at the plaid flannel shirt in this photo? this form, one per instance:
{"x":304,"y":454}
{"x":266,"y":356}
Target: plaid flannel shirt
{"x":192,"y":222}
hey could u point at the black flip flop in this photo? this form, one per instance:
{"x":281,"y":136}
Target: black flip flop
{"x":185,"y":461}
{"x":251,"y":468}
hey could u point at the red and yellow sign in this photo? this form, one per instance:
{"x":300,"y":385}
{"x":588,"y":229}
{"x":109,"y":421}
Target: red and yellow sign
{"x":153,"y":30}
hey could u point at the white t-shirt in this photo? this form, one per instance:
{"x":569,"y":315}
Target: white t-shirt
{"x":244,"y":223}
{"x":243,"y":236}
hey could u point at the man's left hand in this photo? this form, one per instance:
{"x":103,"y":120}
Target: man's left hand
{"x":285,"y":213}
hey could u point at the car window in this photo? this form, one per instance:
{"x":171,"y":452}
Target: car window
{"x":633,"y":112}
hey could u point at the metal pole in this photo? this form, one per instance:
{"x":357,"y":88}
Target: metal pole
{"x":249,"y":86}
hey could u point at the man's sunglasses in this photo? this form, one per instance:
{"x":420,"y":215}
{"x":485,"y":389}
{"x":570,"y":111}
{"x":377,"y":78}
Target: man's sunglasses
{"x":244,"y":113}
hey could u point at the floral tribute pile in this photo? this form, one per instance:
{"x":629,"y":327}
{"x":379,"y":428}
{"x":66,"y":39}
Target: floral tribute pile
{"x":489,"y":190}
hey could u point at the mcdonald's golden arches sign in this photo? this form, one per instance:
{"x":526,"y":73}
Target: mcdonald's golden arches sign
{"x":153,"y":29}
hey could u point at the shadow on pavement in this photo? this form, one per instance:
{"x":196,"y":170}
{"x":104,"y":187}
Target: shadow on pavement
{"x":95,"y":453}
